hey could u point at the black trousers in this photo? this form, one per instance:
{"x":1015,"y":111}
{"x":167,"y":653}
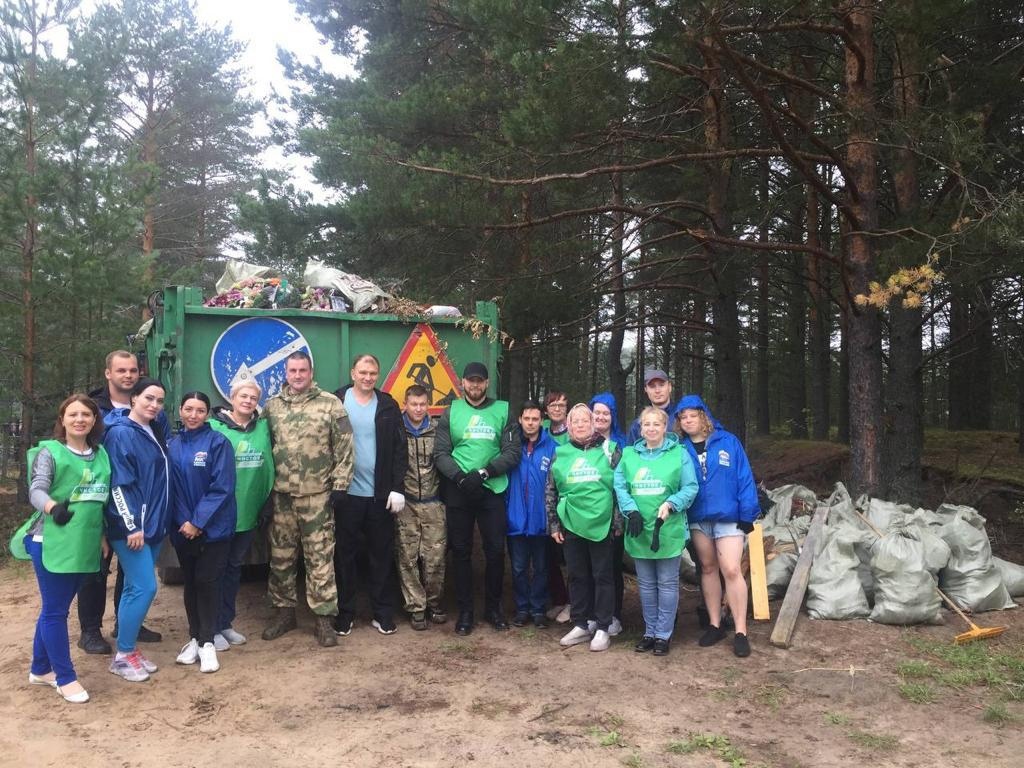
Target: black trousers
{"x":202,"y":563}
{"x":364,"y":525}
{"x":618,"y":550}
{"x":487,"y":512}
{"x":591,"y":583}
{"x":92,"y":595}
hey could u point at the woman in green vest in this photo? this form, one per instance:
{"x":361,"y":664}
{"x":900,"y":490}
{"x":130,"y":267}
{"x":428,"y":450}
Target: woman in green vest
{"x":580,"y":505}
{"x":655,"y":483}
{"x":254,"y":478}
{"x":70,"y":483}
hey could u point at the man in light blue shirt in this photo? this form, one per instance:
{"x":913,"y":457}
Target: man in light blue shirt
{"x":365,"y":518}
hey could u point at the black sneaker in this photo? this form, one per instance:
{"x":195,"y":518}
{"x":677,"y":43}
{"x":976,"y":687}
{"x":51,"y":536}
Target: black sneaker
{"x":661,"y":647}
{"x":92,"y":641}
{"x":384,"y":626}
{"x":646,"y":643}
{"x":540,"y":621}
{"x":464,"y":625}
{"x":147,"y":635}
{"x":711,"y":636}
{"x":740,"y":645}
{"x":521,"y":619}
{"x":342,"y":625}
{"x":497,"y":620}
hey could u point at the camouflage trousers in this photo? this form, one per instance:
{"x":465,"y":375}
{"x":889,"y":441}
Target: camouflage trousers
{"x":303,"y":524}
{"x":421,"y":544}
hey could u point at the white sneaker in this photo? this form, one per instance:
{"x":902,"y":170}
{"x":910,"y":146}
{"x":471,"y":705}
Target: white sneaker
{"x":147,"y":665}
{"x":615,"y":628}
{"x":128,"y":666}
{"x":221,"y":643}
{"x":208,"y":658}
{"x":233,"y":637}
{"x":575,"y":636}
{"x":601,"y":641}
{"x":565,"y":615}
{"x":189,"y":652}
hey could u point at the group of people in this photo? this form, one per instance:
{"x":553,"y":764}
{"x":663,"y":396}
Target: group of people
{"x":363,"y":490}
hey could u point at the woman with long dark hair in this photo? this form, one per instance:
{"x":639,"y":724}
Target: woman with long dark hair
{"x":203,"y":522}
{"x":136,"y":516}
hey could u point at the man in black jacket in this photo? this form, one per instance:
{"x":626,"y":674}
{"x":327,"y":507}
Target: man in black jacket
{"x":365,"y":518}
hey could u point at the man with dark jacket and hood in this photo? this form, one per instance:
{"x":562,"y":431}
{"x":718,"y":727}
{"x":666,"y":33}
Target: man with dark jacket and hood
{"x":121,"y":373}
{"x":476,"y":444}
{"x":365,"y":517}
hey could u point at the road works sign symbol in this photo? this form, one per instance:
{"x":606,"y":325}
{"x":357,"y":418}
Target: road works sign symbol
{"x":423,"y":362}
{"x":255,"y":349}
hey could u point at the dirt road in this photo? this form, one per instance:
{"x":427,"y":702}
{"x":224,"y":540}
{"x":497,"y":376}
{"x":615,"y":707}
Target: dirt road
{"x":515,"y":699}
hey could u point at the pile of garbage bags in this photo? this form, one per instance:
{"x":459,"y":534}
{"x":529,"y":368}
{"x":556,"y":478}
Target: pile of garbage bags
{"x":889,"y":578}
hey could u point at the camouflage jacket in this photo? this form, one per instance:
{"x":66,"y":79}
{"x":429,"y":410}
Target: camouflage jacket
{"x":312,"y":440}
{"x":421,"y":478}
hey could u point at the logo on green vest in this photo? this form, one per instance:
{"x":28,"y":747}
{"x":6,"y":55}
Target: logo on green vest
{"x":643,"y":484}
{"x":88,"y":489}
{"x":478,"y":429}
{"x":582,"y":472}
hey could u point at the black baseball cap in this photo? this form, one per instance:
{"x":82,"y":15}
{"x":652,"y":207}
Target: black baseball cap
{"x":475,"y":371}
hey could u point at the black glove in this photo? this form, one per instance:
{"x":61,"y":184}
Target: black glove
{"x":470,"y":483}
{"x":744,"y":526}
{"x":656,"y":537}
{"x":634,"y":524}
{"x":337,"y":497}
{"x":61,"y":514}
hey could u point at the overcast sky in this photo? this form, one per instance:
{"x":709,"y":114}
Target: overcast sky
{"x":263,"y":26}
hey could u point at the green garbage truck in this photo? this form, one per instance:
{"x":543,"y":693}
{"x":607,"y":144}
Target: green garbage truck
{"x":190,"y":346}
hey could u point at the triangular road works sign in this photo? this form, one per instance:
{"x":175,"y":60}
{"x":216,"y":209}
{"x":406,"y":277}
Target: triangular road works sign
{"x":422,"y":361}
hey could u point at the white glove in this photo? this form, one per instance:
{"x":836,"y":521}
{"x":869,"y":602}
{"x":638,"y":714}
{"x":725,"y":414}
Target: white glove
{"x":396,"y":502}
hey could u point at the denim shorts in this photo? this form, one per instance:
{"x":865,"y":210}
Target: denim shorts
{"x":716,"y":530}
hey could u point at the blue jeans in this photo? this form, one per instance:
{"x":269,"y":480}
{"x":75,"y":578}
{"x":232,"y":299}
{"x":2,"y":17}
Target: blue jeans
{"x":51,"y":651}
{"x":531,"y":589}
{"x":659,"y":594}
{"x":233,"y":577}
{"x":139,"y":590}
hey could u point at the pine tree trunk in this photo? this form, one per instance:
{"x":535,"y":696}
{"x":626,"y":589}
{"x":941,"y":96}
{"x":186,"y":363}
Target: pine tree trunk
{"x":865,"y":353}
{"x":762,"y":405}
{"x":795,"y":377}
{"x":818,"y":342}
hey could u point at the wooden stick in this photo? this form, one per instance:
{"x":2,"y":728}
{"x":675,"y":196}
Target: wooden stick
{"x":794,"y":599}
{"x":758,"y":575}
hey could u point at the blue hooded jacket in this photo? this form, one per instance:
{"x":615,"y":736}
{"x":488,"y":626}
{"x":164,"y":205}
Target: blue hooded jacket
{"x":608,"y":399}
{"x":140,"y":487}
{"x":203,"y":464}
{"x":727,"y":489}
{"x":524,"y":497}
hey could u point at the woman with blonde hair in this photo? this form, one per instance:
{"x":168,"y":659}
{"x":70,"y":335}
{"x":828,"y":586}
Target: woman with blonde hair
{"x":720,"y":517}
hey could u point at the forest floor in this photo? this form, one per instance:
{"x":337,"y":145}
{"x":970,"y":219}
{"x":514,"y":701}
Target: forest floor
{"x":844,"y":693}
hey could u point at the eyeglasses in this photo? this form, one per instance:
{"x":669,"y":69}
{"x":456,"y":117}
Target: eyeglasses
{"x":559,"y":406}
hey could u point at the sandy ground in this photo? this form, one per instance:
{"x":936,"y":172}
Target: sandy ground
{"x":510,"y":699}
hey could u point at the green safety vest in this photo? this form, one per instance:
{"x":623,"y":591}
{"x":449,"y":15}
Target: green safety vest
{"x":650,"y":483}
{"x":254,"y":469}
{"x":585,"y":497}
{"x":85,"y":485}
{"x":561,"y":438}
{"x":476,"y":437}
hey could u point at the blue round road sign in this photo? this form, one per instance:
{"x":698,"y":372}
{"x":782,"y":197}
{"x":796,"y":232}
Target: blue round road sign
{"x":255,"y":349}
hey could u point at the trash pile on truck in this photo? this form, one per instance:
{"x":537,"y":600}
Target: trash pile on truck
{"x":323,"y":288}
{"x":883,"y":561}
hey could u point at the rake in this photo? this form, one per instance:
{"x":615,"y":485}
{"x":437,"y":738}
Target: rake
{"x":975,"y":632}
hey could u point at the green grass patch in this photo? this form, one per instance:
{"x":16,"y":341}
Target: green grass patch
{"x":836,"y":718}
{"x":915,"y":669}
{"x":918,"y":693}
{"x":606,"y":738}
{"x":868,"y":740}
{"x":633,"y":761}
{"x":771,"y":695}
{"x":969,"y":455}
{"x":708,"y":742}
{"x":997,"y":714}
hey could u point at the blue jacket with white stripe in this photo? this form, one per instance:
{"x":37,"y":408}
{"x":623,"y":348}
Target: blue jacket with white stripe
{"x":140,"y":481}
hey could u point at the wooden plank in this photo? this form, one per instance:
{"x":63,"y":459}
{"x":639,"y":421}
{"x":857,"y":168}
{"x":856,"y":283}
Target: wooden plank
{"x":758,"y":576}
{"x":794,"y":599}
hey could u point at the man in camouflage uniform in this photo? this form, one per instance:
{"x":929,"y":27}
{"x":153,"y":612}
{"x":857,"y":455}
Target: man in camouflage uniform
{"x":313,"y":460}
{"x":420,"y":533}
